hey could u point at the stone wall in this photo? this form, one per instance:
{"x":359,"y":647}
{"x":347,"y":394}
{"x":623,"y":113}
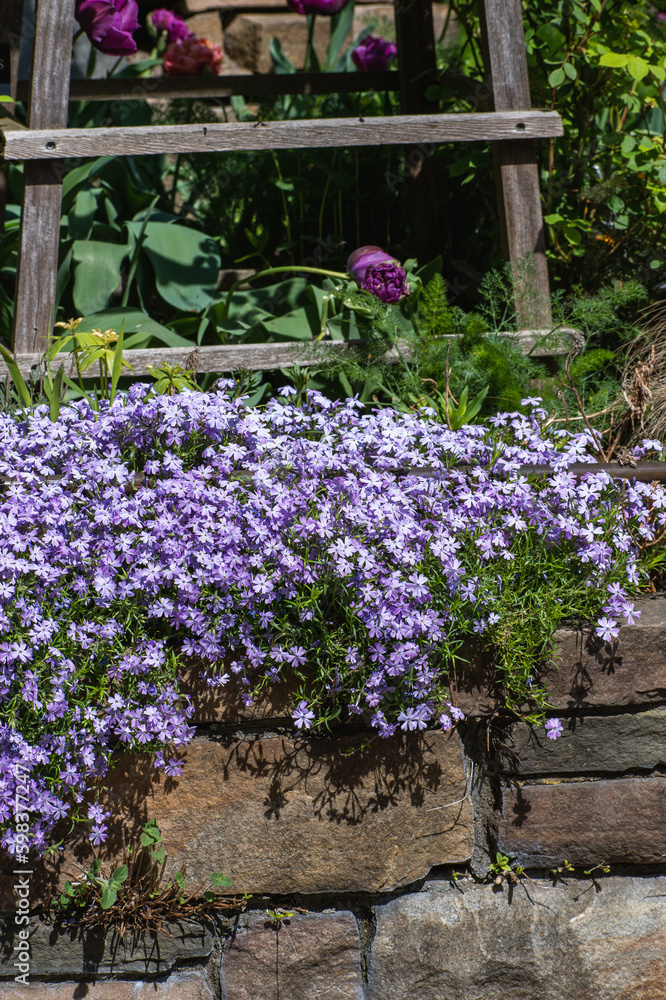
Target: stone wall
{"x":379,"y":849}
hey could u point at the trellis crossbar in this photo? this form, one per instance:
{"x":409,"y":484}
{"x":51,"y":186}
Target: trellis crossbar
{"x":43,"y":144}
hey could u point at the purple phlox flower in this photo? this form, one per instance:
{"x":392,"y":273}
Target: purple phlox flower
{"x":109,"y":24}
{"x":163,"y":19}
{"x":174,"y":767}
{"x":302,"y":715}
{"x":412,"y":718}
{"x":374,"y":53}
{"x":98,"y":834}
{"x":456,"y":713}
{"x":445,"y":721}
{"x":554,"y":729}
{"x":630,"y":614}
{"x":376,"y":271}
{"x":607,"y":629}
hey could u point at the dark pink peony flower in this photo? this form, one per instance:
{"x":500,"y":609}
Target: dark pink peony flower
{"x":316,"y":6}
{"x":192,"y":56}
{"x":374,"y":53}
{"x":377,"y":272}
{"x":163,"y":19}
{"x":109,"y":24}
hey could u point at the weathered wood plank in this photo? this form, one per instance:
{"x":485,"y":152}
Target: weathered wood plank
{"x":40,"y":225}
{"x":515,"y":163}
{"x":243,"y":85}
{"x":264,"y":357}
{"x":42,"y":144}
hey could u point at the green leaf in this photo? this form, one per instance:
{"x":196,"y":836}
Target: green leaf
{"x":120,"y":875}
{"x":570,"y":71}
{"x":301,"y":324}
{"x":556,"y":77}
{"x":79,"y":176}
{"x":117,"y":361}
{"x":280,"y":62}
{"x":341,"y":24}
{"x":16,"y":377}
{"x":186,"y":264}
{"x":219,"y":880}
{"x":52,"y":392}
{"x":96,"y":273}
{"x":637,"y":67}
{"x":135,"y":321}
{"x":109,"y":896}
{"x":616,"y":60}
{"x":82,"y":213}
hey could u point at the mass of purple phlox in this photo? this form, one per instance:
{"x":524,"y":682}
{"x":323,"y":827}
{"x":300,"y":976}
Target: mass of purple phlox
{"x":268,"y":544}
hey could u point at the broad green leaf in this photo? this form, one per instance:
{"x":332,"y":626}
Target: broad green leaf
{"x":428,"y":271}
{"x":186,"y":264}
{"x":82,"y":213}
{"x":570,"y":71}
{"x":301,"y":324}
{"x":573,"y":234}
{"x":109,"y":896}
{"x":616,"y":60}
{"x":120,"y":874}
{"x":637,"y":67}
{"x":96,"y":273}
{"x":341,"y":24}
{"x":219,"y":880}
{"x":659,"y":72}
{"x":556,"y":77}
{"x":256,"y":304}
{"x":135,"y":321}
{"x":280,"y":62}
{"x":75,"y":178}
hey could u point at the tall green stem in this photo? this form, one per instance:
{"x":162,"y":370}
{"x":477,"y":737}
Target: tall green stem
{"x":310,"y":55}
{"x":285,"y":207}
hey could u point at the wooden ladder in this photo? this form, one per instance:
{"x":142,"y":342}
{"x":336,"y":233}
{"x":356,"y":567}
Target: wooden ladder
{"x":512,"y":128}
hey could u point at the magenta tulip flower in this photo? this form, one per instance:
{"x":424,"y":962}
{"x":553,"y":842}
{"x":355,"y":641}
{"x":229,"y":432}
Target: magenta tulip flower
{"x":165,"y":20}
{"x":109,"y":24}
{"x":316,"y":6}
{"x":374,"y":53}
{"x":377,"y":272}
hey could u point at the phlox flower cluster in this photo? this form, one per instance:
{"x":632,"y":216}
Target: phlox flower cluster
{"x":278,"y":544}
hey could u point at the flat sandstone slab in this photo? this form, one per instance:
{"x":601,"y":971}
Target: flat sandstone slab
{"x":591,"y":744}
{"x":315,"y":955}
{"x":554,"y":944}
{"x":280,"y":815}
{"x":586,"y":822}
{"x":584,"y":671}
{"x":630,"y":670}
{"x":182,"y":986}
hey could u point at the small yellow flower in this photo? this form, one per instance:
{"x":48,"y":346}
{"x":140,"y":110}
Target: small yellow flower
{"x":71,"y":324}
